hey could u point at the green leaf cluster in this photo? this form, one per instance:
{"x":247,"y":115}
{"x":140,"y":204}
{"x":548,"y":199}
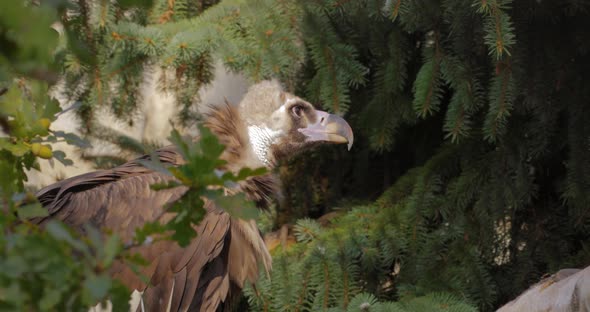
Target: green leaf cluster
{"x":24,"y":49}
{"x":50,"y":269}
{"x":206,"y":183}
{"x":57,"y":269}
{"x":54,"y":268}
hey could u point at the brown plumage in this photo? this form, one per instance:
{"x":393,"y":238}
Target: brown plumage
{"x":227,"y":252}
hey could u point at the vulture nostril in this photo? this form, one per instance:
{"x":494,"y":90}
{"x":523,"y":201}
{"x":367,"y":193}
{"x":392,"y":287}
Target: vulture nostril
{"x":322,"y":120}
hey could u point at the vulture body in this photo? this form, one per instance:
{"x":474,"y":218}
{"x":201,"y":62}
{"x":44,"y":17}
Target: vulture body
{"x":567,"y":290}
{"x":268,"y":126}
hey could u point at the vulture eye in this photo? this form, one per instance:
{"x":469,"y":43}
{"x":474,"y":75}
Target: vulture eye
{"x":297,"y":110}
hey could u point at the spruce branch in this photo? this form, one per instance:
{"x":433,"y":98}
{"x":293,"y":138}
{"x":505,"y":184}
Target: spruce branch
{"x":427,"y":87}
{"x":326,"y":277}
{"x":302,"y":293}
{"x":498,"y":26}
{"x":501,"y":99}
{"x":395,"y":11}
{"x":167,"y":15}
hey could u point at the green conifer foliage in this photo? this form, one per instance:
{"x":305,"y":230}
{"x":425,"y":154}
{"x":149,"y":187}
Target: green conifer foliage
{"x":183,"y":37}
{"x":479,"y":112}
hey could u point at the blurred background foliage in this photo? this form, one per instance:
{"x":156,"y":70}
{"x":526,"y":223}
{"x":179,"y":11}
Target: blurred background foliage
{"x":52,"y":269}
{"x":469,"y":176}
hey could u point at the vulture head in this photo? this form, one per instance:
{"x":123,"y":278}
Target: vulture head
{"x":268,"y":126}
{"x":279,"y":124}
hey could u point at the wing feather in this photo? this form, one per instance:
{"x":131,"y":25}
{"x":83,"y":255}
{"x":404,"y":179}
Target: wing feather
{"x":198,"y":277}
{"x":180,"y":279}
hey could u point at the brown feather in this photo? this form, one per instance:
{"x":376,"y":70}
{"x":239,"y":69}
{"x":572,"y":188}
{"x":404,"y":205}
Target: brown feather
{"x":215,"y":265}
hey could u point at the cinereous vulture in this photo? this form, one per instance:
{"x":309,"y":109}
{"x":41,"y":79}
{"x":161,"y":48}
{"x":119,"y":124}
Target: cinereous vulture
{"x":268,"y":126}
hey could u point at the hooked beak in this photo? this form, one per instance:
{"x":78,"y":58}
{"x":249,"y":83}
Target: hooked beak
{"x":329,"y":128}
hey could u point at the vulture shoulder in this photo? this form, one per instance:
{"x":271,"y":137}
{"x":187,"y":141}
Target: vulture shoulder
{"x":200,"y":277}
{"x":120,"y":198}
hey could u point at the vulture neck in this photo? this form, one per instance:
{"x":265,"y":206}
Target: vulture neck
{"x":261,"y":140}
{"x":244,"y":147}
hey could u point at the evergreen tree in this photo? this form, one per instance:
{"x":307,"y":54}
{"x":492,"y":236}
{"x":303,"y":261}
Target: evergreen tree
{"x":476,"y":111}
